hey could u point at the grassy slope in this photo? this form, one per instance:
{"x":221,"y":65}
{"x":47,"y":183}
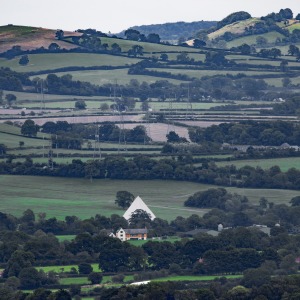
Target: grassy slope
{"x":60,"y":197}
{"x":53,"y":61}
{"x":236,"y":28}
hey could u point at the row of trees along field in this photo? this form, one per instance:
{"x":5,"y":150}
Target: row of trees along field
{"x":141,"y":167}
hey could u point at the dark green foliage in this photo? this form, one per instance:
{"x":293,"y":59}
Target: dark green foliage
{"x":216,"y":198}
{"x":172,"y":31}
{"x":295,"y":201}
{"x":173,"y":137}
{"x":10,"y":98}
{"x":2,"y":149}
{"x":29,"y":128}
{"x":80,"y":104}
{"x":85,"y":268}
{"x":124,"y":199}
{"x":24,"y":60}
{"x":95,"y":278}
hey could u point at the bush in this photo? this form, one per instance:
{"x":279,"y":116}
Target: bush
{"x":119,"y":278}
{"x":85,"y":268}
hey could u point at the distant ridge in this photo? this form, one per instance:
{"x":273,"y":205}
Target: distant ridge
{"x":173,"y":31}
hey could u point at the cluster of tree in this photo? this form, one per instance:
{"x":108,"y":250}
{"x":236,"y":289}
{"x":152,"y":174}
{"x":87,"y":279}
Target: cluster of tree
{"x":249,"y":133}
{"x":173,"y":31}
{"x":91,"y":31}
{"x":291,"y":106}
{"x":65,"y":133}
{"x":233,"y":250}
{"x":135,"y":35}
{"x":273,"y":53}
{"x":12,"y":81}
{"x":141,"y":167}
{"x":113,"y":133}
{"x":294,"y":51}
{"x":214,"y":198}
{"x":265,"y":287}
{"x":284,"y":14}
{"x":9,"y":98}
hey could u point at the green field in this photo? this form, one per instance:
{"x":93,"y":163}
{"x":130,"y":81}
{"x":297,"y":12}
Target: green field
{"x":85,"y":281}
{"x":45,"y":61}
{"x":68,"y":268}
{"x":251,"y":39}
{"x":62,"y":238}
{"x":283,"y":163}
{"x":60,"y":197}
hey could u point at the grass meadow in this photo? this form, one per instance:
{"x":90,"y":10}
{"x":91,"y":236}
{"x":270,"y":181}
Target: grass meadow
{"x":51,"y":61}
{"x":68,"y":268}
{"x":284,"y":163}
{"x":61,"y":197}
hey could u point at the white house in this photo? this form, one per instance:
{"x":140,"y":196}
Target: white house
{"x":132,"y":234}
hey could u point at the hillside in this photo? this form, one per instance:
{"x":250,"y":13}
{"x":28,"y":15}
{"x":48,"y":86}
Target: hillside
{"x":30,"y":37}
{"x":173,"y":31}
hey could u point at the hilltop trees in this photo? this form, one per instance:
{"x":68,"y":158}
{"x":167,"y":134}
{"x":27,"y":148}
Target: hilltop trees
{"x":234,"y":17}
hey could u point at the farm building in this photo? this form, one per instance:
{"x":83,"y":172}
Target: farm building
{"x":138,"y":204}
{"x":132,"y":234}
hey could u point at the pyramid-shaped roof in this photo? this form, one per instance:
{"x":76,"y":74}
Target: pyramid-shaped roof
{"x":138,"y":203}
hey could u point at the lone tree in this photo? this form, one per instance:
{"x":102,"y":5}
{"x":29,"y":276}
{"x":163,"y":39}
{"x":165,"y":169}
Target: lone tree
{"x":95,"y":277}
{"x":24,"y":60}
{"x":80,"y":104}
{"x":10,"y":98}
{"x":124,"y":199}
{"x":139,"y":218}
{"x":29,"y":128}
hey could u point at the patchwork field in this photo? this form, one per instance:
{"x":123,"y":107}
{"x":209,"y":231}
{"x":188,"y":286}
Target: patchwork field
{"x":60,"y":197}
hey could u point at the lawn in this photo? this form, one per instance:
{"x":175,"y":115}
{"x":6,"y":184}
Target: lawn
{"x":62,"y":238}
{"x":284,"y":163}
{"x":60,"y":197}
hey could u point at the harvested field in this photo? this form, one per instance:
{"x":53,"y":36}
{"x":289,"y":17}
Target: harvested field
{"x":158,"y":131}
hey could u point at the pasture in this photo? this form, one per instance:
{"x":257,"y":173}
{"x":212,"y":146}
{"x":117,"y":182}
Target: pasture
{"x":201,"y":73}
{"x":51,"y":61}
{"x":68,"y":268}
{"x":61,"y":197}
{"x":283,"y":163}
{"x":101,"y":77}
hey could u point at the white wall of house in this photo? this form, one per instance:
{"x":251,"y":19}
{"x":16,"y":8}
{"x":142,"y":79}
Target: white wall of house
{"x":121,"y":234}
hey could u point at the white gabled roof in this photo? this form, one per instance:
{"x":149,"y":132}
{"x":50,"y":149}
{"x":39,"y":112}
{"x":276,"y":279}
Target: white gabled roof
{"x":138,"y":203}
